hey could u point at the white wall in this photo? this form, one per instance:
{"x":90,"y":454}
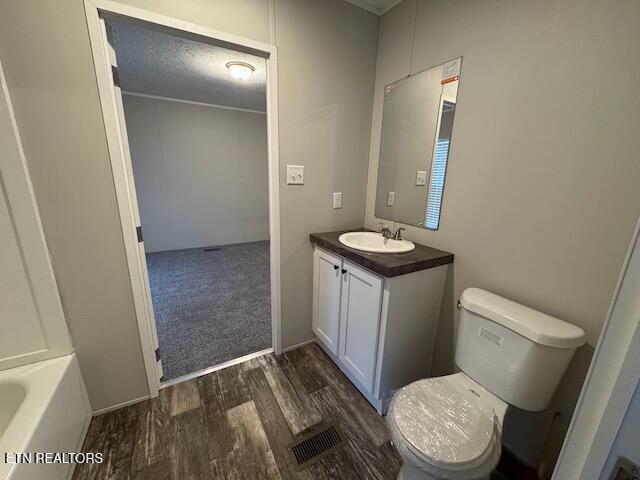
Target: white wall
{"x":541,"y":194}
{"x":201,"y":173}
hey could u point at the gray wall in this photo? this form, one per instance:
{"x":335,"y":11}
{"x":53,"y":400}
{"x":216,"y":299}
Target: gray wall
{"x":201,"y":173}
{"x":326,"y":55}
{"x":541,"y":194}
{"x":326,"y":68}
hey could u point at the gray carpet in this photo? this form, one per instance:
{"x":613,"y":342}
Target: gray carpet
{"x":210,"y":307}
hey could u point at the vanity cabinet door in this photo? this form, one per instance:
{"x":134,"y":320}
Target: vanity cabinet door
{"x":360,"y":322}
{"x":326,"y":298}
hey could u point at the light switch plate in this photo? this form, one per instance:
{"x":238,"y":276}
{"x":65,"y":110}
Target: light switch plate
{"x":391,"y":198}
{"x":295,"y":174}
{"x":421,"y":177}
{"x":337,"y":199}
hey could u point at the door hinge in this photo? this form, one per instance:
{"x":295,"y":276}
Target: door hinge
{"x":116,"y":77}
{"x":139,"y":233}
{"x":158,"y":354}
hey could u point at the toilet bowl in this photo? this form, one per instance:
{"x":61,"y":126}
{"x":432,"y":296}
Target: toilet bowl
{"x":450,"y":428}
{"x":446,"y":428}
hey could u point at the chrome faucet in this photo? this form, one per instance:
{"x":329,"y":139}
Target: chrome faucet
{"x":390,"y":234}
{"x":386,"y":232}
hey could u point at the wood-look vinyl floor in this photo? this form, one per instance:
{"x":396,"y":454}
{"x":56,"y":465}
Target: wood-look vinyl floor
{"x":237,"y":424}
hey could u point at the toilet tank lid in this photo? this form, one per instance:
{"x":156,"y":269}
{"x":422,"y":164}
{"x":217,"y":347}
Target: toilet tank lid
{"x":536,"y":326}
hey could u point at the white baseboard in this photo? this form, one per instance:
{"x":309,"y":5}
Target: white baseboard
{"x":298,"y":345}
{"x":120,"y":405}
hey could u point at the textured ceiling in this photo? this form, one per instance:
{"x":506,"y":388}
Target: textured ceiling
{"x":375,"y":6}
{"x":156,"y":63}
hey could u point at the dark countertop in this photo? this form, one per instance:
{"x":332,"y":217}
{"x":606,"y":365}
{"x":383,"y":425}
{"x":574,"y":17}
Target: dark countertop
{"x":385,"y":264}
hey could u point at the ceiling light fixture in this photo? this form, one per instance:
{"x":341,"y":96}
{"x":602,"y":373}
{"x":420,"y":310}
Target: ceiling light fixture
{"x":240,"y":70}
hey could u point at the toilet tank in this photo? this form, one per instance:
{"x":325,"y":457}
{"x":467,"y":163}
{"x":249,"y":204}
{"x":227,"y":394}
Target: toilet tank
{"x":517,"y":353}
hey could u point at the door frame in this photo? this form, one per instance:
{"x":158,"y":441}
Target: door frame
{"x":121,"y":165}
{"x":610,"y":382}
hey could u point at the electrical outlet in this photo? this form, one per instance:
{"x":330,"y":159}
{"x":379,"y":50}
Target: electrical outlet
{"x":625,"y":469}
{"x":391,"y":198}
{"x":295,"y":174}
{"x":337,"y":199}
{"x":421,"y":177}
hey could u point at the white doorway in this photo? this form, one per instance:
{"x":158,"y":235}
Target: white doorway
{"x":181,"y":239}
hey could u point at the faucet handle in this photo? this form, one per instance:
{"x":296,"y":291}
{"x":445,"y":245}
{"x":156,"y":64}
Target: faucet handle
{"x":386,"y":231}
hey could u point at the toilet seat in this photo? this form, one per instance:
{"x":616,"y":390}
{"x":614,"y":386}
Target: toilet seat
{"x":448,"y":424}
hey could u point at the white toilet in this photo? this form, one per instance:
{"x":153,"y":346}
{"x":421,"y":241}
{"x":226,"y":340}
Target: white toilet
{"x":451,"y":427}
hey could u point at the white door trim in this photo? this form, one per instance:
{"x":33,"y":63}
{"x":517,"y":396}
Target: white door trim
{"x":611,"y":380}
{"x":120,"y":164}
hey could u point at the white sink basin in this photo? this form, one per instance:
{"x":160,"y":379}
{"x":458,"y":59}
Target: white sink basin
{"x":375,"y":243}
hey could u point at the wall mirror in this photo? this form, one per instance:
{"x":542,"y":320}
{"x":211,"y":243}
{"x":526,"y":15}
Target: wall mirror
{"x":417,"y":122}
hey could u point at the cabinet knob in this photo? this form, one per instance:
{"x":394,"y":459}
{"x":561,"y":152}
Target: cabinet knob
{"x":344,"y":271}
{"x":335,"y":267}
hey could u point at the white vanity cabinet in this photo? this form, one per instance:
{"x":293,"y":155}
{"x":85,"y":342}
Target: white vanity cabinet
{"x":361,"y":297}
{"x":380,"y":331}
{"x":327,"y":279}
